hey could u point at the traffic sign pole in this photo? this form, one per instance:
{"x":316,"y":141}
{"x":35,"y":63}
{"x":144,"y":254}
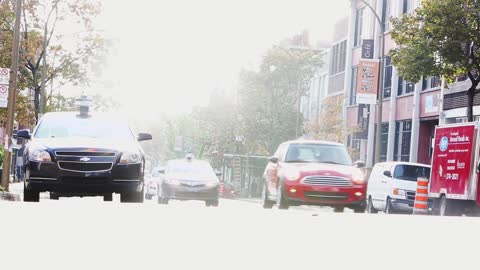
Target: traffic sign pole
{"x":7,"y":160}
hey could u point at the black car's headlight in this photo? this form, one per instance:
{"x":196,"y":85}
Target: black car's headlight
{"x":39,"y":155}
{"x":130,"y":157}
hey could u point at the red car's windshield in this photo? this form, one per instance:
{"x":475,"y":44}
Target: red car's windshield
{"x":318,"y":153}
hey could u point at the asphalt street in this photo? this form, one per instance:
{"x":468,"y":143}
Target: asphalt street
{"x":87,"y":233}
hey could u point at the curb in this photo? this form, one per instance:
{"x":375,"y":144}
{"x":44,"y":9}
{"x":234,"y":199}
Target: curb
{"x":7,"y":196}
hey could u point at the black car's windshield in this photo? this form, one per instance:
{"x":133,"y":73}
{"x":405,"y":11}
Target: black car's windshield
{"x":76,"y":127}
{"x":318,"y":153}
{"x":411,"y":172}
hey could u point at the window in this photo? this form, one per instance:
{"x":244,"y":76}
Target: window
{"x":353,"y":89}
{"x":408,"y":6}
{"x":410,"y":172}
{"x":403,"y":131}
{"x":424,"y":83}
{"x":435,"y":82}
{"x":357,"y":39}
{"x":280,"y":151}
{"x":386,"y":14}
{"x":318,"y":153}
{"x":384,"y":136}
{"x":387,"y":80}
{"x":431,"y":82}
{"x":338,"y":60}
{"x":405,"y":87}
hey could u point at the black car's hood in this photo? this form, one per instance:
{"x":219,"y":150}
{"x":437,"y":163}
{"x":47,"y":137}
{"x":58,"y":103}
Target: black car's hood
{"x":86,"y":143}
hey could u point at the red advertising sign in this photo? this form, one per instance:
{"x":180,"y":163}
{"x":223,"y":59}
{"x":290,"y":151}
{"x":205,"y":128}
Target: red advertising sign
{"x":452,"y":159}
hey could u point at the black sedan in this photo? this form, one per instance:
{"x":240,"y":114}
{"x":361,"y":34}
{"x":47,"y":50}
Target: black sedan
{"x":80,"y":154}
{"x":189,"y":179}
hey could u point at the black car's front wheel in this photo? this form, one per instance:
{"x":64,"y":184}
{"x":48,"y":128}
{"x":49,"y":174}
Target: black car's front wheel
{"x":54,"y":196}
{"x":30,"y":195}
{"x":132,"y":197}
{"x":108,"y":197}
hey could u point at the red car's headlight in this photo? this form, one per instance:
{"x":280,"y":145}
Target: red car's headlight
{"x":358,"y":177}
{"x":291,"y":174}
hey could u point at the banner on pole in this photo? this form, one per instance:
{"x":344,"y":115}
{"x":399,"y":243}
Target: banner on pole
{"x":367,"y":82}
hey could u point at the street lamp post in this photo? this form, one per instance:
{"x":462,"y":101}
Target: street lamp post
{"x":12,"y":97}
{"x":378,"y":132}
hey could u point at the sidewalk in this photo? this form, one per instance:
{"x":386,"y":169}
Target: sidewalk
{"x":16,"y":189}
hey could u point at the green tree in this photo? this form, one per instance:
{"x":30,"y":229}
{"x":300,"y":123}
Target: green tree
{"x":441,"y":38}
{"x":72,"y":64}
{"x":269,"y":98}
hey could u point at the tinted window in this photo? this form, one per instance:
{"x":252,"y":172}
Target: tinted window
{"x":82,"y":128}
{"x":318,"y":153}
{"x":411,"y":172}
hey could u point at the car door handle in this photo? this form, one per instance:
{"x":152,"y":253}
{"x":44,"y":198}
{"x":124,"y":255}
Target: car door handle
{"x":384,"y":182}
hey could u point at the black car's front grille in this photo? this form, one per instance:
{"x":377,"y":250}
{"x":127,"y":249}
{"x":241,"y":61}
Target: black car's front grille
{"x":86,"y":180}
{"x":84,"y":166}
{"x":327,"y":196}
{"x":84,"y":154}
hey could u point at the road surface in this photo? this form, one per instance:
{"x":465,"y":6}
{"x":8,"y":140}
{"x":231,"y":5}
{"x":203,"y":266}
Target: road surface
{"x":75,"y":233}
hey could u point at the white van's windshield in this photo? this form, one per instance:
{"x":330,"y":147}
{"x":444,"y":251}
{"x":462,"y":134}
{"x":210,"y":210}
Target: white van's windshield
{"x":410,"y":172}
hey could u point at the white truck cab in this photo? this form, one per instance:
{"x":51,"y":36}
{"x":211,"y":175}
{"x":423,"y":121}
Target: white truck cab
{"x":392,"y":186}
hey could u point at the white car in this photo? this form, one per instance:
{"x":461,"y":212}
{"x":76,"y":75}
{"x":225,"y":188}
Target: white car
{"x":152,"y":183}
{"x":392,"y":186}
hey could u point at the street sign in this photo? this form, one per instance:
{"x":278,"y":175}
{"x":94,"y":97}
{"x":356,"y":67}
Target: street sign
{"x":3,"y":96}
{"x":4,"y":76}
{"x":367,"y":49}
{"x":367,"y":82}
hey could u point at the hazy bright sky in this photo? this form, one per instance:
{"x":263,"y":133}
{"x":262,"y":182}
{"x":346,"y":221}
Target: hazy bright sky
{"x":170,"y":54}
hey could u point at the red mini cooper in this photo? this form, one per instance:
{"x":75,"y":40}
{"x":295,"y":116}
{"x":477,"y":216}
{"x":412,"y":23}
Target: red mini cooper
{"x":306,"y":172}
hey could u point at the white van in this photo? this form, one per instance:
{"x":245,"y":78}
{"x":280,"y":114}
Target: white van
{"x":391,"y":186}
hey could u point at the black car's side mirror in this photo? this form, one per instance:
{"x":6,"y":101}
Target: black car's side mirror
{"x":273,"y":159}
{"x":359,"y":164}
{"x":144,"y":137}
{"x":387,"y":173}
{"x":161,"y":171}
{"x":218,"y":173}
{"x":24,"y":134}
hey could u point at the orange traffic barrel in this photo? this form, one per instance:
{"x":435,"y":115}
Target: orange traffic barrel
{"x":420,"y":206}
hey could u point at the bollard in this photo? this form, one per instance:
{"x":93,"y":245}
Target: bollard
{"x":420,"y":206}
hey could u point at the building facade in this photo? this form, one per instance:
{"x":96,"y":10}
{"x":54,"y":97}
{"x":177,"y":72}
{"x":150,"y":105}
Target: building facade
{"x":410,"y":111}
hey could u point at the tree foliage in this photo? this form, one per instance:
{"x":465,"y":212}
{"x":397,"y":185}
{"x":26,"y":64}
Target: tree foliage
{"x":70,"y":59}
{"x":441,"y":38}
{"x":268,"y":98}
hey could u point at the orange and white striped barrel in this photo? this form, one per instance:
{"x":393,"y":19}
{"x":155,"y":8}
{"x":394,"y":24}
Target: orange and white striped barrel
{"x":220,"y":190}
{"x":420,"y":207}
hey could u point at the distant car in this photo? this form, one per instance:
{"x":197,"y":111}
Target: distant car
{"x":83,"y":154}
{"x":308,"y":172}
{"x":189,"y":179}
{"x":227,"y":191}
{"x":392,"y":186}
{"x":152,"y":182}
